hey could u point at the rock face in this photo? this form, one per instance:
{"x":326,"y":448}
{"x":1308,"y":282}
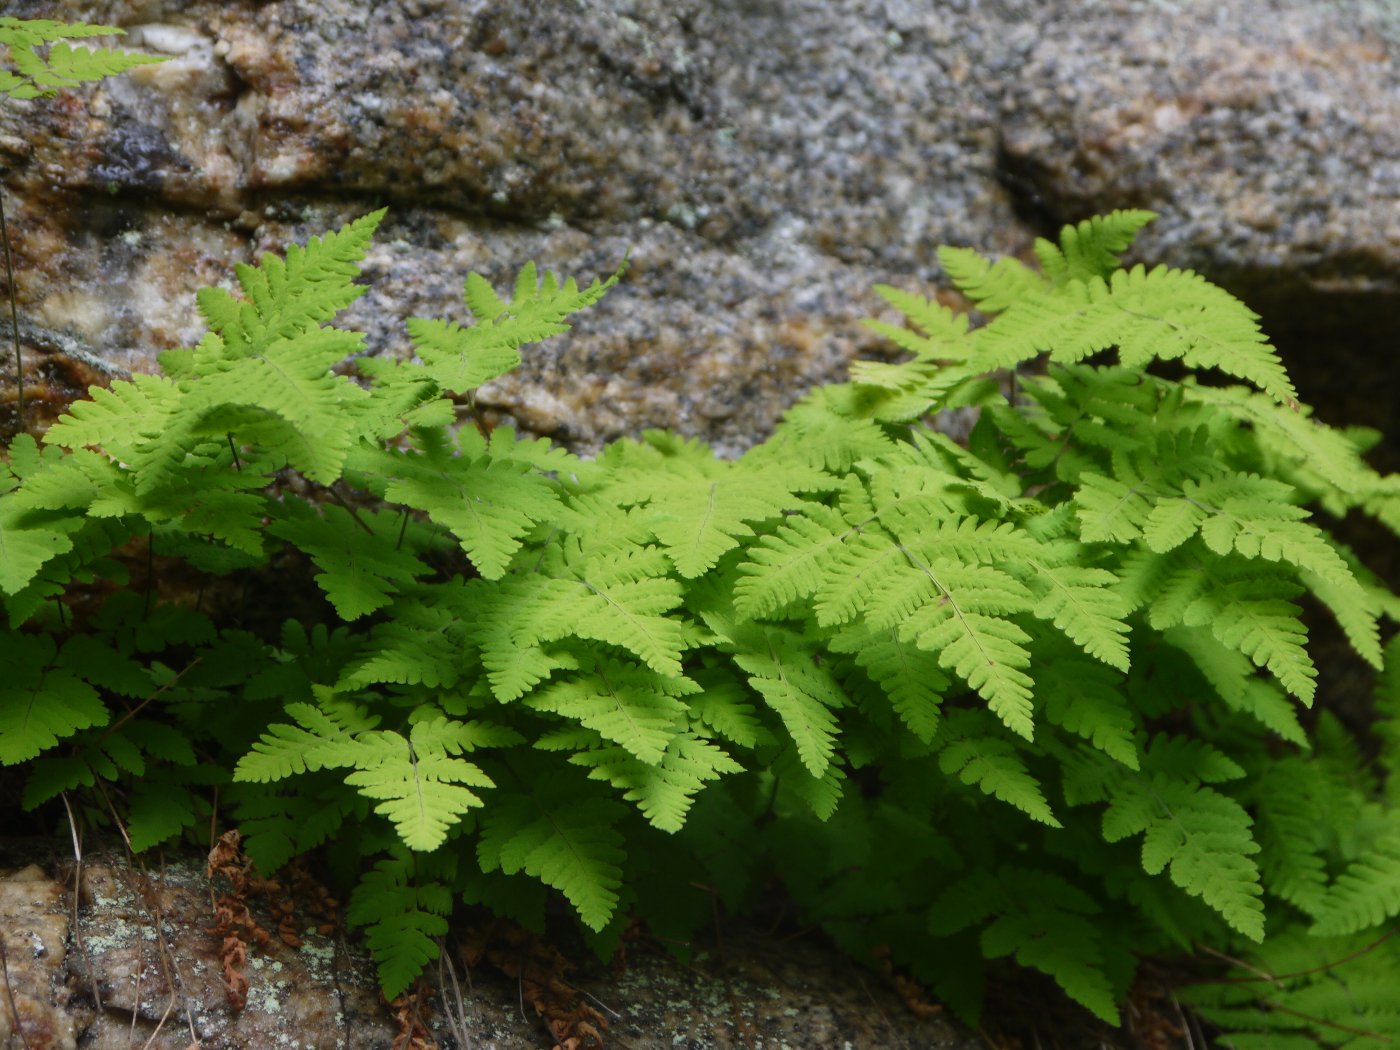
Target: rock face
{"x":764,"y":163}
{"x":132,"y":962}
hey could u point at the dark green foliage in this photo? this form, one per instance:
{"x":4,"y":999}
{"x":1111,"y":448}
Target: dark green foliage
{"x":1036,"y":698}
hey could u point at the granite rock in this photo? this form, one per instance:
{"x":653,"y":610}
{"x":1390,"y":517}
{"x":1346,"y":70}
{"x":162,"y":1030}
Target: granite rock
{"x":765,"y":163}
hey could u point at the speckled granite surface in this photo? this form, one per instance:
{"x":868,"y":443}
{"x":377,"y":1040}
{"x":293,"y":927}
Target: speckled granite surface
{"x":764,"y":162}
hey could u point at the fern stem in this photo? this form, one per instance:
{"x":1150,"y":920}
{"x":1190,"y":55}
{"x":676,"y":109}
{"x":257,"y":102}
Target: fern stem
{"x":354,"y":515}
{"x":1275,"y":978}
{"x":237,"y":463}
{"x":14,"y":311}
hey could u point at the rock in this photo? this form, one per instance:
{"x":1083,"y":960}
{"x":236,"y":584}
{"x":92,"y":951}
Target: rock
{"x":135,"y":962}
{"x":33,"y":949}
{"x":765,"y":168}
{"x":765,"y":164}
{"x":1267,"y":134}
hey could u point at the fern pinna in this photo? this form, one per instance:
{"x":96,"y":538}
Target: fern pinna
{"x":1039,"y":696}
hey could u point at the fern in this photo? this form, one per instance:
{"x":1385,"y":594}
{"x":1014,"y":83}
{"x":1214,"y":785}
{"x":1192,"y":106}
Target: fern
{"x":403,"y":919}
{"x":1031,"y":700}
{"x":64,"y":66}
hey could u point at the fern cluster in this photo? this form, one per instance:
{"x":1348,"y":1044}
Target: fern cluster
{"x":1039,"y":697}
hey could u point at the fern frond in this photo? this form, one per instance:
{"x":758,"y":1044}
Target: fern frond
{"x":1231,"y":674}
{"x":1089,"y":700}
{"x":782,"y":669}
{"x":29,"y":540}
{"x":1162,"y":314}
{"x":122,"y":418}
{"x":960,"y":612}
{"x":421,"y":787}
{"x":1293,"y":799}
{"x":992,"y":286}
{"x":421,"y":643}
{"x":573,"y":846}
{"x":1083,"y":602}
{"x":402,"y":919}
{"x":287,"y":300}
{"x":725,"y":708}
{"x":699,"y":507}
{"x":993,"y":765}
{"x":911,"y":677}
{"x":1254,"y":615}
{"x":460,"y":359}
{"x":629,"y":705}
{"x":488,"y":504}
{"x":41,"y":701}
{"x":65,"y":66}
{"x":1201,"y":836}
{"x":786,"y":565}
{"x":1090,"y":249}
{"x":285,"y":398}
{"x":664,"y":789}
{"x":1041,"y":919}
{"x":362,"y":566}
{"x":321,"y":737}
{"x":827,"y":429}
{"x":1367,"y":892}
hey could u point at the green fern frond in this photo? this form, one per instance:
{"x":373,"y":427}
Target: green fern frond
{"x":1294,"y":802}
{"x":781,"y":668}
{"x":488,"y":504}
{"x":1254,"y":615}
{"x":322,"y":737}
{"x":1041,"y":919}
{"x":362,"y":566}
{"x":1367,"y":892}
{"x":402,"y":919}
{"x":65,"y":66}
{"x":995,"y":766}
{"x":29,"y":540}
{"x":421,"y":643}
{"x":1090,"y":249}
{"x":960,"y":612}
{"x":992,"y":286}
{"x":460,"y":359}
{"x":827,"y":429}
{"x":911,"y":677}
{"x":1230,"y":673}
{"x":725,"y":708}
{"x":1088,"y":699}
{"x":287,"y":299}
{"x":158,"y":810}
{"x":122,"y":419}
{"x":1201,"y":836}
{"x":628,"y":705}
{"x":664,"y":789}
{"x":1302,"y":992}
{"x":41,"y":701}
{"x":627,"y":613}
{"x":701,"y":507}
{"x":421,"y":787}
{"x":1162,"y":314}
{"x":786,"y":565}
{"x":1083,"y":603}
{"x":572,"y":846}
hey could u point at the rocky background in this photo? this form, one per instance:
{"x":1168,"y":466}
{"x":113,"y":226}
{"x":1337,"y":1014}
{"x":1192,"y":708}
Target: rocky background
{"x":764,"y":161}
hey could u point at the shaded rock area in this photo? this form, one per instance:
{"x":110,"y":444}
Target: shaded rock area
{"x":765,"y":163}
{"x":133,"y":962}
